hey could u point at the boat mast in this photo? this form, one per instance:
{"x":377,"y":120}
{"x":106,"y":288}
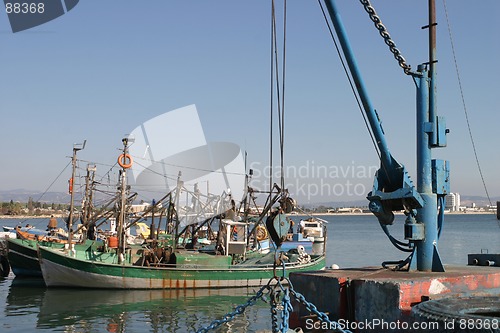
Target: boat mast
{"x":176,"y":200}
{"x":87,"y":202}
{"x":123,"y":197}
{"x":76,"y":148}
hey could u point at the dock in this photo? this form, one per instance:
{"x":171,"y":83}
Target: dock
{"x":373,"y":296}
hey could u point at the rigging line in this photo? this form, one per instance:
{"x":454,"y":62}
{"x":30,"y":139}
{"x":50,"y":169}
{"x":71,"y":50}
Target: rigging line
{"x":107,"y":173}
{"x":184,"y":167}
{"x":101,"y":199}
{"x":48,"y":188}
{"x":282,"y":132}
{"x":463,"y":101}
{"x":108,"y":192}
{"x":96,"y":163}
{"x":346,"y":71}
{"x":276,"y":75}
{"x":103,"y":164}
{"x":271,"y":101}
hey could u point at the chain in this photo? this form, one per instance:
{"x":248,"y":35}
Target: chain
{"x":287,"y":308}
{"x":237,"y":311}
{"x":385,"y":34}
{"x":312,"y":308}
{"x":284,"y":306}
{"x":274,"y":313}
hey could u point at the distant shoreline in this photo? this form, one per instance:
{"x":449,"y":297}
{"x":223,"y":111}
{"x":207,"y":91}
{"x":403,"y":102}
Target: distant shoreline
{"x":397,"y":213}
{"x":29,"y":217}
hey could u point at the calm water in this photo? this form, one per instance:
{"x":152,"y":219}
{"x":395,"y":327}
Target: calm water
{"x":354,"y":241}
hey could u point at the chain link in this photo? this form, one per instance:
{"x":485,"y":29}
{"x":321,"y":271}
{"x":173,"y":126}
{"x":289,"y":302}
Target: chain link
{"x":274,"y":316}
{"x":312,"y":308}
{"x":287,"y":308}
{"x":385,"y":34}
{"x":237,"y":311}
{"x":282,"y":286}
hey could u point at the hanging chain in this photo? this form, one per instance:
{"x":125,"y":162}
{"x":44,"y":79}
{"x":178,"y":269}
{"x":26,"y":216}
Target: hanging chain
{"x":279,"y":291}
{"x":237,"y":311}
{"x":286,"y":302}
{"x":385,"y":34}
{"x":323,"y":317}
{"x":275,"y":307}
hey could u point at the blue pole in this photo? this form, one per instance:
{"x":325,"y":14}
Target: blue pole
{"x":393,"y":190}
{"x":378,"y":133}
{"x":424,"y":176}
{"x":432,"y":70}
{"x":426,"y":249}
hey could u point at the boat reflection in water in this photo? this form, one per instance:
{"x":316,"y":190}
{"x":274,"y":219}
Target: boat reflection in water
{"x":133,"y":310}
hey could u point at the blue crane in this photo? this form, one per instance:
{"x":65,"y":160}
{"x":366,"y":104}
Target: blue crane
{"x":393,"y":190}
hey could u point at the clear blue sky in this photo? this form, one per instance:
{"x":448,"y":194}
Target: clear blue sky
{"x":105,"y":67}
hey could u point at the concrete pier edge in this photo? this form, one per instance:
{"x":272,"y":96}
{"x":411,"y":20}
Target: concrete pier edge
{"x":372,"y":293}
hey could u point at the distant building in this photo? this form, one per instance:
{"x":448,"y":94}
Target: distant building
{"x":452,"y":202}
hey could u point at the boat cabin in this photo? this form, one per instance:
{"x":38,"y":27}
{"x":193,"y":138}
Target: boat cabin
{"x":232,"y":237}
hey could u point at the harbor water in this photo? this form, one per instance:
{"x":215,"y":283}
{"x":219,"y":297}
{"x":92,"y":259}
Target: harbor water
{"x":353,"y":241}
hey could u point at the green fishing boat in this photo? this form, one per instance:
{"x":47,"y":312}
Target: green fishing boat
{"x":234,"y":260}
{"x":23,"y":257}
{"x":162,"y":268}
{"x":22,"y":251}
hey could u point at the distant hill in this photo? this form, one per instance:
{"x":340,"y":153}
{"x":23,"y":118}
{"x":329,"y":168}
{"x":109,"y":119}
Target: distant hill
{"x":338,"y":204}
{"x":22,"y":195}
{"x":465,"y":200}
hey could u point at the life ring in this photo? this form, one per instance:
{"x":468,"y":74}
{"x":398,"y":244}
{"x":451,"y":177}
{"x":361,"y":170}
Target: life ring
{"x":70,"y":187}
{"x":123,"y":158}
{"x":261,"y":233}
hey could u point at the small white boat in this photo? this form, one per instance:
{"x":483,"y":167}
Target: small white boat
{"x":314,"y":228}
{"x":8,"y":232}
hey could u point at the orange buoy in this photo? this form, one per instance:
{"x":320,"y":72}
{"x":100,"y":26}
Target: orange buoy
{"x":113,"y":242}
{"x":70,"y":189}
{"x":122,"y":161}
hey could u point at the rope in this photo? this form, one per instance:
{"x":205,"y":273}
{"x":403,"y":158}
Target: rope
{"x":271,"y":107}
{"x":280,"y":90}
{"x":463,"y":101}
{"x":282,"y":122}
{"x":174,"y":177}
{"x":47,"y":189}
{"x":59,"y":175}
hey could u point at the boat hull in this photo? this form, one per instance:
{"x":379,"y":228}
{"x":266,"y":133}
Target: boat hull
{"x":23,"y":257}
{"x":61,"y":270}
